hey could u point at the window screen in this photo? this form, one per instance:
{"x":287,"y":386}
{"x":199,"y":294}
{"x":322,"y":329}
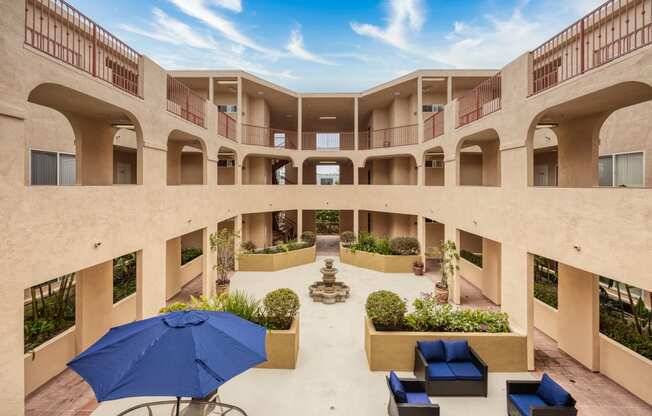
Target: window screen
{"x":67,"y":169}
{"x":43,"y":168}
{"x":606,"y":171}
{"x":629,"y":170}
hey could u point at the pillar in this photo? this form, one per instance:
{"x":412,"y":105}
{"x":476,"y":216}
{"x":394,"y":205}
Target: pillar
{"x":491,"y":270}
{"x":238,"y":127}
{"x":300,"y":123}
{"x":299,"y":222}
{"x":449,"y":90}
{"x":490,"y":163}
{"x":237,"y":228}
{"x":454,"y":290}
{"x":356,"y":144}
{"x":94,"y":151}
{"x":209,"y":259}
{"x":174,"y":162}
{"x":421,"y":173}
{"x":578,"y":315}
{"x":577,"y":152}
{"x":150,"y":292}
{"x":421,"y":236}
{"x":172,"y":267}
{"x":356,"y":222}
{"x":300,"y":172}
{"x":93,"y":303}
{"x":420,"y":108}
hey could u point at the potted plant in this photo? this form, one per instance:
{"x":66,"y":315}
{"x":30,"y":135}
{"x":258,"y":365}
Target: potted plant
{"x":222,"y":243}
{"x":449,"y":266}
{"x":418,"y":267}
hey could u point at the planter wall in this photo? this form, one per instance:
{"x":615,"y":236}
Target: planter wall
{"x":471,"y":272}
{"x":378,"y":262}
{"x":627,"y":368}
{"x":274,"y":262}
{"x":282,"y":347}
{"x":177,"y":279}
{"x":49,"y":359}
{"x":388,"y":351}
{"x":545,"y":319}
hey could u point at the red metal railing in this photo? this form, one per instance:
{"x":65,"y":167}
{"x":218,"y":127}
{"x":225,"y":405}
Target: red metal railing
{"x":391,"y":137}
{"x":226,"y":125}
{"x":433,"y":126}
{"x":480,"y":101}
{"x":185,"y":103}
{"x":269,"y":137}
{"x":61,"y":31}
{"x":328,"y":141}
{"x":614,"y":29}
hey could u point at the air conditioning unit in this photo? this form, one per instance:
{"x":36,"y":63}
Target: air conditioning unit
{"x":436,"y":164}
{"x":226,"y":163}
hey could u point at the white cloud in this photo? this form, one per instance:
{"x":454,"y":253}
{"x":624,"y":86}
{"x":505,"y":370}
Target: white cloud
{"x":200,"y":10}
{"x":404,"y":15}
{"x":296,"y":48}
{"x":233,"y":5}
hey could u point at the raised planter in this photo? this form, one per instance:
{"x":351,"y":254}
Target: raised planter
{"x":626,"y":367}
{"x":282,"y":347}
{"x":378,"y":262}
{"x":386,"y":351}
{"x":278,"y":261}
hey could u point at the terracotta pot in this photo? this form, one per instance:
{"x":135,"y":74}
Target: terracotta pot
{"x":418,"y":271}
{"x":220,"y":289}
{"x":441,"y":295}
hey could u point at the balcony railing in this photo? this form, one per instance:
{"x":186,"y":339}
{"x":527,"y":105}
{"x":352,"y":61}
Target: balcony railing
{"x":269,"y":137}
{"x":616,"y":28}
{"x":61,"y":31}
{"x":328,"y":141}
{"x":433,"y":126}
{"x":480,"y":101}
{"x":226,"y":126}
{"x":391,"y":137}
{"x":186,"y":103}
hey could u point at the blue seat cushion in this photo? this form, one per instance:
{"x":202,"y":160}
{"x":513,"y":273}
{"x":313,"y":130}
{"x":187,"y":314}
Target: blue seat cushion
{"x":418,"y":398}
{"x":465,"y":371}
{"x":552,"y":393}
{"x":397,"y":388}
{"x":432,"y":350}
{"x":457,"y":351}
{"x":440,"y":371}
{"x":524,"y":402}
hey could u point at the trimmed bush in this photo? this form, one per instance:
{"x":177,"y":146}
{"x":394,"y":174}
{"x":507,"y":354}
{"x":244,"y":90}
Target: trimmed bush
{"x":281,"y":306}
{"x":626,"y":334}
{"x":248,"y":246}
{"x":308,"y":237}
{"x":386,"y":310}
{"x":472,"y":257}
{"x":347,"y":237}
{"x":404,"y":246}
{"x":189,"y":254}
{"x":546,"y":292}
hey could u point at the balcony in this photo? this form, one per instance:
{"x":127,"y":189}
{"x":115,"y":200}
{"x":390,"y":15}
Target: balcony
{"x":186,"y":103}
{"x":433,"y":126}
{"x":328,"y":141}
{"x":390,"y":137}
{"x":481,"y":101}
{"x":269,"y":137}
{"x":56,"y":28}
{"x":226,"y":126}
{"x":614,"y":29}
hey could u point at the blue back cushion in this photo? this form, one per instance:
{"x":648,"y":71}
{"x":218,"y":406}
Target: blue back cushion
{"x":432,"y":350}
{"x":397,"y":388}
{"x":552,"y":393}
{"x":457,"y":351}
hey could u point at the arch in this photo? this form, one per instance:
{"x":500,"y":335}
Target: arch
{"x":261,"y":169}
{"x":395,"y":169}
{"x":186,"y":159}
{"x":95,"y":125}
{"x":478,"y":159}
{"x":434,"y":171}
{"x":573,"y":140}
{"x":227,"y":166}
{"x":338,"y":170}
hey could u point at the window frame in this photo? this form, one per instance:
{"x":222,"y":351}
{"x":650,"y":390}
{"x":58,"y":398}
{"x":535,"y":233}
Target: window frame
{"x":613,"y":167}
{"x":58,"y":154}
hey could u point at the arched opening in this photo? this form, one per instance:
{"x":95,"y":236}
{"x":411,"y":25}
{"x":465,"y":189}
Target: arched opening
{"x":597,"y":140}
{"x":186,"y":160}
{"x":94,"y":143}
{"x":389,"y":170}
{"x":227,"y":162}
{"x":268,"y":170}
{"x":327,"y":171}
{"x":478,"y":159}
{"x":434,"y":169}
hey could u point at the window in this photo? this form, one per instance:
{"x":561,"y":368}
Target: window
{"x":227,"y":108}
{"x":327,"y":181}
{"x":52,"y":168}
{"x":432,"y":108}
{"x":622,"y":170}
{"x":226,"y":163}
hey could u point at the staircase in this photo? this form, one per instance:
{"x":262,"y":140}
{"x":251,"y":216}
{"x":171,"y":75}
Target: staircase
{"x":278,"y":175}
{"x":283,"y":227}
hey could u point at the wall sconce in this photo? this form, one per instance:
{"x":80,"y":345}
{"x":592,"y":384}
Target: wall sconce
{"x":189,"y":220}
{"x":475,"y":222}
{"x":96,"y":245}
{"x":577,"y":248}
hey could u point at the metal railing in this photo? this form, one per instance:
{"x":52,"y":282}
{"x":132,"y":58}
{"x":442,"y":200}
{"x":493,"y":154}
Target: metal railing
{"x":616,"y":28}
{"x":328,"y":141}
{"x":390,"y":137}
{"x":480,"y":101}
{"x":226,"y":126}
{"x":64,"y":33}
{"x":433,"y":126}
{"x":269,"y":137}
{"x":186,"y":103}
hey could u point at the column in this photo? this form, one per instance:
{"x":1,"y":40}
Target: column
{"x":356,"y":173}
{"x":356,"y":222}
{"x":93,"y":303}
{"x":449,"y":90}
{"x":300,"y":123}
{"x":299,"y":222}
{"x":491,"y":271}
{"x":578,"y":322}
{"x":420,"y":108}
{"x":172,"y":267}
{"x":150,"y":293}
{"x":355,"y":125}
{"x":421,"y":172}
{"x":578,"y":142}
{"x":421,"y":236}
{"x":239,"y":114}
{"x":300,"y":172}
{"x":211,"y":91}
{"x":454,"y":291}
{"x":94,"y":151}
{"x":209,"y":259}
{"x":237,"y":228}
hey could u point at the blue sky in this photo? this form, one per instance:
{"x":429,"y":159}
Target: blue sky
{"x":339,"y":46}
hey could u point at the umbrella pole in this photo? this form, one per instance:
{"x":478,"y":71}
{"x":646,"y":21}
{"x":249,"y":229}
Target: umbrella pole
{"x":178,"y":404}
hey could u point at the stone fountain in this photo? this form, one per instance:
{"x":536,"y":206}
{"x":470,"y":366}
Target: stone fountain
{"x":329,"y":291}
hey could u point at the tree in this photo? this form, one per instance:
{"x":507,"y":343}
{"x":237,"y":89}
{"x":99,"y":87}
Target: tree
{"x":222,"y":242}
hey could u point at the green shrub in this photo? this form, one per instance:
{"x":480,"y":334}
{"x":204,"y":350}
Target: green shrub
{"x":188,"y":254}
{"x":174,"y":307}
{"x":240,"y":304}
{"x":248,"y":246}
{"x":626,"y":334}
{"x":308,"y":237}
{"x":546,"y":292}
{"x":347,"y":237}
{"x":383,"y":247}
{"x":386,"y":310}
{"x":472,"y":257}
{"x":404,"y":246}
{"x":280,"y":306}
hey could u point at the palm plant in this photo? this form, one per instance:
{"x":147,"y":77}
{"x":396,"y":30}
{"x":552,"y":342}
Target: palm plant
{"x":449,"y":263}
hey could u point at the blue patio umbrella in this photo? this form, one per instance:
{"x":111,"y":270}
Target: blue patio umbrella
{"x":182,"y":354}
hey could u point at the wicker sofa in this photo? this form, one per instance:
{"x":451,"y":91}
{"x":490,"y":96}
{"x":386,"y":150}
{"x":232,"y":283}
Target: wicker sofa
{"x":407,"y":397}
{"x":450,"y":368}
{"x":539,"y":398}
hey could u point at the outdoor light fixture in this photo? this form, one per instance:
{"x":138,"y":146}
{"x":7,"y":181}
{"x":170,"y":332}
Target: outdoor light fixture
{"x":547,"y":125}
{"x":433,"y":79}
{"x":328,"y":162}
{"x":227,"y":82}
{"x":260,"y":93}
{"x":397,"y":93}
{"x":123,"y":125}
{"x":327,"y":117}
